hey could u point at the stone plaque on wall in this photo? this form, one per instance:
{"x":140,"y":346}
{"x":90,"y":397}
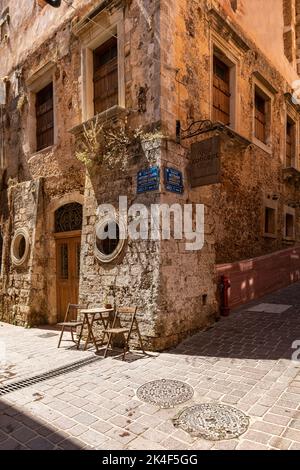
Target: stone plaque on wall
{"x":205,"y":162}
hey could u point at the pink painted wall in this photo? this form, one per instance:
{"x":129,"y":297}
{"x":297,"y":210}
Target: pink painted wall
{"x":253,"y":278}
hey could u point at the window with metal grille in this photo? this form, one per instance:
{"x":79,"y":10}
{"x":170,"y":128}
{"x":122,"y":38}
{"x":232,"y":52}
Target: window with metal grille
{"x":106,"y":76}
{"x":68,"y":218}
{"x":260,"y":117}
{"x":221,"y":92}
{"x":290,"y":143}
{"x":44,"y":118}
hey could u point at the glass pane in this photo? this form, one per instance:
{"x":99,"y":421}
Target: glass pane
{"x":64,"y":261}
{"x":77,"y":260}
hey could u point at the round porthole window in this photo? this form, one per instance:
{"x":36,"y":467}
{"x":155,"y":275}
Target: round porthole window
{"x":109,"y":242}
{"x":20,"y":247}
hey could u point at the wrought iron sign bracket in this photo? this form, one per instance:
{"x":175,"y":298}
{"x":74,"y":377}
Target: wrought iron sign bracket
{"x":196,"y":128}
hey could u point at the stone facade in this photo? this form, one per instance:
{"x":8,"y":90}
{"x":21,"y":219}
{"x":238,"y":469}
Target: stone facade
{"x":165,"y":56}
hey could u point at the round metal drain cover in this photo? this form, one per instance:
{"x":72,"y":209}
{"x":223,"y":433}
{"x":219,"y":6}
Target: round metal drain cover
{"x":213,"y":422}
{"x":165,"y":393}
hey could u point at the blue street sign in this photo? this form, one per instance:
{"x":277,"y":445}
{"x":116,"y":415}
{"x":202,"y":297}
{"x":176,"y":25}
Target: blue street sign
{"x":174,"y":180}
{"x":148,"y":180}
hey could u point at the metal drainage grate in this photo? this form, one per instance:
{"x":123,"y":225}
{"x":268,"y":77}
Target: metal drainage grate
{"x":165,"y":393}
{"x":213,"y":422}
{"x":13,"y":387}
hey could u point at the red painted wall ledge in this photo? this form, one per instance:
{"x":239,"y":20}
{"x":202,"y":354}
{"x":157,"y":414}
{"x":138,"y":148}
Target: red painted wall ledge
{"x":253,"y":278}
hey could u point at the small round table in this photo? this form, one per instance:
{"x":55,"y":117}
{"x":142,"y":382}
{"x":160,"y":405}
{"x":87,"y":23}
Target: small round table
{"x":91,"y":315}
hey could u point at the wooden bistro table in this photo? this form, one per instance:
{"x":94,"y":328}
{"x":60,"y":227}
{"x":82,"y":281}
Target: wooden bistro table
{"x":90,"y":316}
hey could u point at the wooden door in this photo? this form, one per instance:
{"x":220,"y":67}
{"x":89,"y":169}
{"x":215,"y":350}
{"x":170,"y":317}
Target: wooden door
{"x":67,"y":273}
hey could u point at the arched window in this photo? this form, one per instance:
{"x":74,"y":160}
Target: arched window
{"x":68,"y":217}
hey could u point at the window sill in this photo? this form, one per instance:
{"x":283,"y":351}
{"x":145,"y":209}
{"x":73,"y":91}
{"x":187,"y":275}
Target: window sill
{"x":49,"y":149}
{"x":289,"y":239}
{"x":114,"y":113}
{"x":269,"y":235}
{"x":265,"y":147}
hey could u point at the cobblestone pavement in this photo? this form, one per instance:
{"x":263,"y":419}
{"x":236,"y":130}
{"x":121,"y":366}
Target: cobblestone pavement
{"x":244,"y":361}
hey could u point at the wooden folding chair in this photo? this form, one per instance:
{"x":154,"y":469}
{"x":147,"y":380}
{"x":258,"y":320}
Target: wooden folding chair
{"x":133,"y":326}
{"x":69,"y":323}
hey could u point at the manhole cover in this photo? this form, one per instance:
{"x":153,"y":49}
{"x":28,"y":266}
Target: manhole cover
{"x":165,"y":393}
{"x":213,"y":422}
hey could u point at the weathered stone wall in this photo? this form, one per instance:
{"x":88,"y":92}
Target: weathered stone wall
{"x":188,"y":293}
{"x":24,"y":286}
{"x":248,"y":176}
{"x":63,"y":176}
{"x":167,"y":77}
{"x":134,"y":277}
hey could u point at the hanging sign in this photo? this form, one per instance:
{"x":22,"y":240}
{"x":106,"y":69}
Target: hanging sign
{"x":205,"y":165}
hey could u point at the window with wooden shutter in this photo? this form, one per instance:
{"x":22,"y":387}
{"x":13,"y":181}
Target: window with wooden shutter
{"x":221,"y":92}
{"x":106,"y":76}
{"x":44,"y":117}
{"x":260,"y":117}
{"x":290,"y":142}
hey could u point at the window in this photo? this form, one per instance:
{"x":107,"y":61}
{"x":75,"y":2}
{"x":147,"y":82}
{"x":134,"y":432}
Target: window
{"x":44,"y":118}
{"x":270,"y":221}
{"x":289,"y":225}
{"x":68,"y":218}
{"x":221,"y":91}
{"x":290,"y":142}
{"x":260,"y":117}
{"x":108,"y":245}
{"x":102,"y":61}
{"x":20,"y":247}
{"x":109,"y":242}
{"x":105,"y":77}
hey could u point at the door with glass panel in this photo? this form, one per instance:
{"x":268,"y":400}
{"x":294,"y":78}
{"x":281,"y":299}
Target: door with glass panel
{"x":67,"y":273}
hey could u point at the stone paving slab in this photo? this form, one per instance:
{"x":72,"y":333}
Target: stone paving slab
{"x":243,"y":361}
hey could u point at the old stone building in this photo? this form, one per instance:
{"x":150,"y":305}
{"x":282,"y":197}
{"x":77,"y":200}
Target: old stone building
{"x":203,"y":88}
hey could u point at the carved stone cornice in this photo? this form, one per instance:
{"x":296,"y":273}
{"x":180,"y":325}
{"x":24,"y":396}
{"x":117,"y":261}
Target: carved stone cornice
{"x":79,"y":26}
{"x":226,"y":30}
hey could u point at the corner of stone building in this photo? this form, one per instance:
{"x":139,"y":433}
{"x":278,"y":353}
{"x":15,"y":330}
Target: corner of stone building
{"x":187,"y":298}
